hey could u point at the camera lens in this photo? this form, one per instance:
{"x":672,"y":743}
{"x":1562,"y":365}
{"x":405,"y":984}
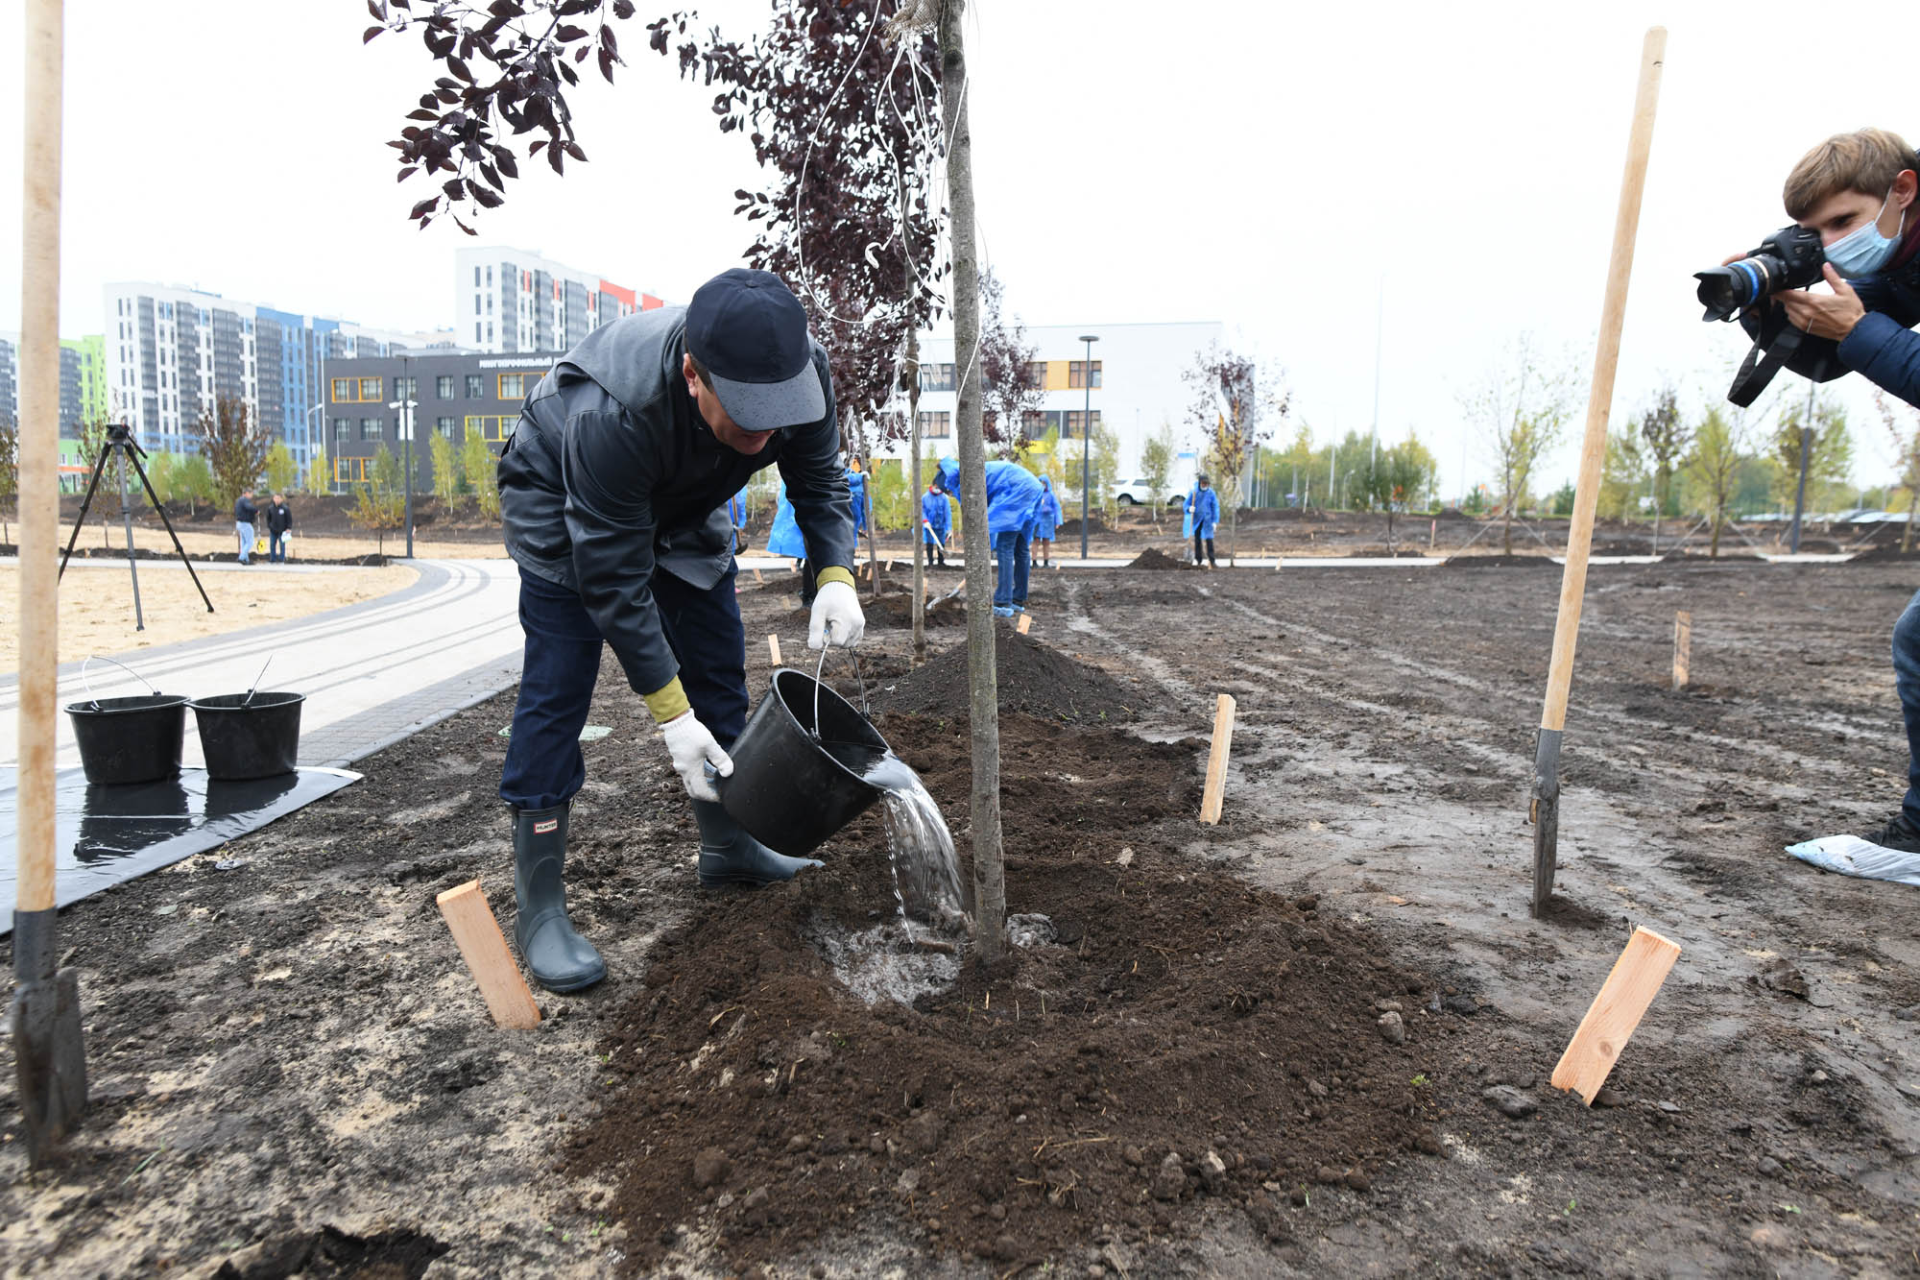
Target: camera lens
{"x":1725,"y":291}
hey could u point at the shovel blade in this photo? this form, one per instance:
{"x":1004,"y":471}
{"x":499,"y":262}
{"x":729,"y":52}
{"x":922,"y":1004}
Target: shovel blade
{"x":50,"y":1059}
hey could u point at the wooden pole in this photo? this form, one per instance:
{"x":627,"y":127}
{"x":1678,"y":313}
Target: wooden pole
{"x":773,"y":648}
{"x":1606,"y":361}
{"x":1682,"y":648}
{"x":484,"y":948}
{"x":39,"y":447}
{"x":1214,"y":796}
{"x":1631,"y":986}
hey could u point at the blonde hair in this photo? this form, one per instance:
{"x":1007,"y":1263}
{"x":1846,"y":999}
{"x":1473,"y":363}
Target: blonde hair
{"x":1866,"y":160}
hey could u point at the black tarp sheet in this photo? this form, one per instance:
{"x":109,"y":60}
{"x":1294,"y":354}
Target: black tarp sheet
{"x":107,"y":835}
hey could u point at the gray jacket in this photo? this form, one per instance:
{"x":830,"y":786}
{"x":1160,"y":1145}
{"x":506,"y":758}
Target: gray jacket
{"x":611,"y":473}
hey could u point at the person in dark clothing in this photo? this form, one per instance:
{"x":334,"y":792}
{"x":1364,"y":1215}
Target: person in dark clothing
{"x":244,"y":515}
{"x":613,"y":491}
{"x":1861,"y":192}
{"x":1203,"y":509}
{"x":279,"y":524}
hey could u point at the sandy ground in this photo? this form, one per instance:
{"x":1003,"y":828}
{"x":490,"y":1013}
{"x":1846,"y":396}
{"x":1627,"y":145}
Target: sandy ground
{"x":96,"y":603}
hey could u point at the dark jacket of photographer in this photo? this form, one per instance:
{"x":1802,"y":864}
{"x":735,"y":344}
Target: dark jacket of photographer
{"x":1882,"y":347}
{"x":611,"y":472}
{"x":279,"y":518}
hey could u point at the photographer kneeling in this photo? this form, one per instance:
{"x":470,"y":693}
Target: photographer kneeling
{"x":1856,"y":192}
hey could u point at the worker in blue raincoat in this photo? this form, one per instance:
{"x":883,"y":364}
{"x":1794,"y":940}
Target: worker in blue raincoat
{"x":1045,"y":521}
{"x":1202,"y":516}
{"x":857,"y":487}
{"x":936,"y":521}
{"x":784,"y":538}
{"x":1013,"y":504}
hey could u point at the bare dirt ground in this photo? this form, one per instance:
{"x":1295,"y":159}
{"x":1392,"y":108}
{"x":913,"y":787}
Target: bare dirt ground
{"x":295,"y":1076}
{"x":97,"y":615}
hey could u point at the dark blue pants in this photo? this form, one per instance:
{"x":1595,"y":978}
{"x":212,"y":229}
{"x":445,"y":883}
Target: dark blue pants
{"x":1906,"y":680}
{"x":276,"y":548}
{"x":544,"y":766}
{"x":1014,"y":561}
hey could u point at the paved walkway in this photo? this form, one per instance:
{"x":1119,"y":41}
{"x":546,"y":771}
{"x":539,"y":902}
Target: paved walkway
{"x":373,"y":672}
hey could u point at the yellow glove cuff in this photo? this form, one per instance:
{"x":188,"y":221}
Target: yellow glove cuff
{"x":668,"y":702}
{"x":833,"y":573}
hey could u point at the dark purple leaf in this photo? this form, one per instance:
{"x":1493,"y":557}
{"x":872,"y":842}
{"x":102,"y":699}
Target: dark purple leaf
{"x":407,"y":172}
{"x":485,"y":198}
{"x":370,"y":33}
{"x":567,"y":34}
{"x":425,"y":207}
{"x":455,"y":189}
{"x":573,"y":149}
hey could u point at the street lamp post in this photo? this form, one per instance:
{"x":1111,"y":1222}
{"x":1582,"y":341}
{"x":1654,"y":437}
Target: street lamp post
{"x":1086,"y":440}
{"x":405,"y":406}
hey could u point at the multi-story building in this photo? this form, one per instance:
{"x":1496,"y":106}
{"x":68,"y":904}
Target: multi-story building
{"x":170,"y":352}
{"x":82,"y":381}
{"x":455,"y":394}
{"x":509,"y":300}
{"x":1138,"y":387}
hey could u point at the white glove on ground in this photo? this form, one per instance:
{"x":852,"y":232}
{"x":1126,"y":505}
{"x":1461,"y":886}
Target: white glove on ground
{"x":692,"y":747}
{"x":837,"y":617}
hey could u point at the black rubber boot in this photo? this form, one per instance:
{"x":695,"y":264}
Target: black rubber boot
{"x":561,"y":960}
{"x":728,"y":855}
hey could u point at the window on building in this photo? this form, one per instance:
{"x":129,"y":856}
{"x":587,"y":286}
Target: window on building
{"x":1070,"y":428}
{"x":444,"y":427}
{"x":936,"y":426}
{"x":491,"y":427}
{"x":370,"y":390}
{"x":443,"y":387}
{"x":1037,"y":375}
{"x":476,"y":386}
{"x":1077,"y":374}
{"x":346,"y":390}
{"x":936,"y":377}
{"x":476,"y":280}
{"x":342,"y":430}
{"x":406,"y":388}
{"x":372,"y":428}
{"x":513,"y":386}
{"x":352,"y":470}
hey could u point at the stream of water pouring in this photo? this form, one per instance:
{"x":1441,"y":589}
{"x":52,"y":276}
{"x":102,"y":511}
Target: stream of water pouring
{"x":926,"y":874}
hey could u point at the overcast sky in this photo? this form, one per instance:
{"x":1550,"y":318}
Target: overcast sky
{"x":1275,"y":167}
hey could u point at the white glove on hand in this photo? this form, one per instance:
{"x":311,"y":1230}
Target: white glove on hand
{"x":837,"y":618}
{"x":692,"y":747}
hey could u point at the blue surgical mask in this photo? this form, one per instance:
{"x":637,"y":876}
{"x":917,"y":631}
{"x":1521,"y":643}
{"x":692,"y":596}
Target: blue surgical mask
{"x":1863,"y":251}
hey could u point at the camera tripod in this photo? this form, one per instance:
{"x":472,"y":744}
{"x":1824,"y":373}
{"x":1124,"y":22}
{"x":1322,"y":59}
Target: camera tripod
{"x":120,"y":441}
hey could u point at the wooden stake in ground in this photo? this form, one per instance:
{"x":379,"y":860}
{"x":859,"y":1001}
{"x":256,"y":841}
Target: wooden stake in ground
{"x":1615,"y":1012}
{"x":756,"y":576}
{"x":773,"y":648}
{"x":1682,"y":647}
{"x":1214,"y":796}
{"x":1573,"y":583}
{"x":50,"y":1059}
{"x":1026,"y":622}
{"x":484,"y":948}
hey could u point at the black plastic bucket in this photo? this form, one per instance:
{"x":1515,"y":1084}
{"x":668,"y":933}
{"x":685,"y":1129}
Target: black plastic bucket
{"x":249,"y":736}
{"x":786,"y":789}
{"x":127,"y":740}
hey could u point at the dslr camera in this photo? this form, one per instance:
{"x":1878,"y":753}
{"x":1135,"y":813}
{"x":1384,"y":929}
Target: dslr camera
{"x":1790,"y":258}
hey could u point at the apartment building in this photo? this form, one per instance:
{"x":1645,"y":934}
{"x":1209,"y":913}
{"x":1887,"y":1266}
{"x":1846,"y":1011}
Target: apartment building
{"x":509,"y":300}
{"x":455,"y":394}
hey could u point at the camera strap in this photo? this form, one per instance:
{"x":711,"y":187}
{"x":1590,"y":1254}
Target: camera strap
{"x":1767,"y":357}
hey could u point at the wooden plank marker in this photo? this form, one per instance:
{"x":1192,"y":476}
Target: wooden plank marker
{"x":1215,"y":794}
{"x":1026,"y":623}
{"x":756,"y":576}
{"x":1615,"y":1012}
{"x":484,"y":949}
{"x":773,"y":648}
{"x":1682,"y":647}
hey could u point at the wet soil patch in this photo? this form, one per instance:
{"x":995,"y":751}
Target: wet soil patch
{"x":330,"y":1252}
{"x":1031,"y":677}
{"x":1499,"y":562}
{"x":1154,"y":558}
{"x":1181,"y":1044}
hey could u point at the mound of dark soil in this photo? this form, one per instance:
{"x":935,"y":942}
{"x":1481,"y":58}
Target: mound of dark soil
{"x":1032,"y":678}
{"x":1881,"y":553}
{"x":894,"y":607}
{"x":1071,"y":528}
{"x":1154,"y":558}
{"x":1182,"y":1041}
{"x":1498,"y":562}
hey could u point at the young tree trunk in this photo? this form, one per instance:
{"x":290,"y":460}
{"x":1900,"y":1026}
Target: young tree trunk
{"x":913,"y":437}
{"x":989,"y":868}
{"x":870,"y":511}
{"x":1506,"y":529}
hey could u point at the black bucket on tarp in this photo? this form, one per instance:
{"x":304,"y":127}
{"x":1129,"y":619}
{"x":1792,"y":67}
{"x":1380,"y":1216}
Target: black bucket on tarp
{"x":249,"y":735}
{"x":130,"y":740}
{"x":787,"y":789}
